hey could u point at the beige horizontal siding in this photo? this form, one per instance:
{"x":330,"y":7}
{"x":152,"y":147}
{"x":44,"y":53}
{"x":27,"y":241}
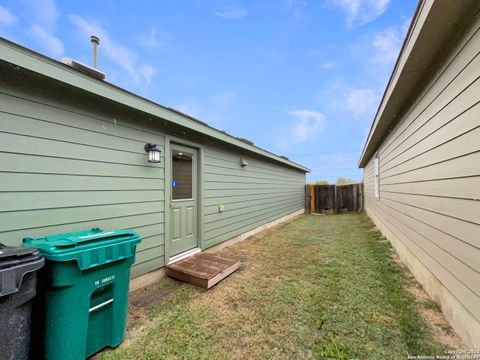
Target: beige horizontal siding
{"x":461,"y":188}
{"x":252,"y":195}
{"x":430,"y":183}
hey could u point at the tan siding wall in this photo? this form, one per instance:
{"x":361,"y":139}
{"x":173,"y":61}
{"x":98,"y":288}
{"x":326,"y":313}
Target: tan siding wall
{"x":429,"y":204}
{"x":253,"y":195}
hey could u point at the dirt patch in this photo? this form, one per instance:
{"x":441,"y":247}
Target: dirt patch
{"x":441,"y":329}
{"x":141,"y":302}
{"x":383,"y":319}
{"x":150,"y":297}
{"x":420,"y":295}
{"x":431,"y":313}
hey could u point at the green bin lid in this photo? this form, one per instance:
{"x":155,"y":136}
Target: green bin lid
{"x":89,"y":248}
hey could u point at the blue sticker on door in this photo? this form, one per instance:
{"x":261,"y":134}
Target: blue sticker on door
{"x":174,"y":184}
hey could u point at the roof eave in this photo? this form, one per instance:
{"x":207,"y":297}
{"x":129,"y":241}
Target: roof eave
{"x":32,"y":61}
{"x":432,"y":26}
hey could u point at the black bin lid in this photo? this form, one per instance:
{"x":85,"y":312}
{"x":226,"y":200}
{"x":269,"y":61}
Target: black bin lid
{"x":16,"y":255}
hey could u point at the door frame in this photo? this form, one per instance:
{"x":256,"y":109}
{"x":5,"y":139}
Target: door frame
{"x":171,"y":141}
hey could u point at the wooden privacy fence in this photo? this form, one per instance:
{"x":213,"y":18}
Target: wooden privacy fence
{"x":333,"y":199}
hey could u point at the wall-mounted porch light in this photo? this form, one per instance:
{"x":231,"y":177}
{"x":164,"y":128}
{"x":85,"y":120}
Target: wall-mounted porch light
{"x":153,"y":153}
{"x":243,"y":162}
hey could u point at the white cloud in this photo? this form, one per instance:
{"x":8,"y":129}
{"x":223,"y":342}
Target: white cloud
{"x":45,"y":13}
{"x":147,"y":72}
{"x":360,"y":12}
{"x":232,"y":13}
{"x":386,"y":46}
{"x":288,"y":4}
{"x":51,"y":44}
{"x":297,"y":8}
{"x":314,"y":53}
{"x":118,"y":54}
{"x":271,"y":55}
{"x":189,"y":83}
{"x":6,"y":17}
{"x":223,"y":100}
{"x":405,"y":26}
{"x":306,"y":126}
{"x":361,"y":102}
{"x":329,"y":65}
{"x":152,"y":40}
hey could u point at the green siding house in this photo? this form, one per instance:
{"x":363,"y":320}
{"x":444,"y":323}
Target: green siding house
{"x":72,"y":155}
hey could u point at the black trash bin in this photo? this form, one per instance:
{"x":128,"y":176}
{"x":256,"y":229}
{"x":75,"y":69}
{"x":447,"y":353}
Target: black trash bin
{"x":18,"y":283}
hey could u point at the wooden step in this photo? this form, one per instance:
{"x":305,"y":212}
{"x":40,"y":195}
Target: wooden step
{"x":202,"y":269}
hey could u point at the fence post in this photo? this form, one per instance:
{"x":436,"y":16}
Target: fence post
{"x":336,"y":202}
{"x":307,"y":198}
{"x":360,"y":186}
{"x":312,"y":199}
{"x":354,"y":197}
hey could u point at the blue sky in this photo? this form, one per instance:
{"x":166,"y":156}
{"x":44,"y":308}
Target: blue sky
{"x":299,"y":78}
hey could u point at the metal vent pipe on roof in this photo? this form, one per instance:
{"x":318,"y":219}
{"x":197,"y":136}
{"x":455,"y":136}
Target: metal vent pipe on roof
{"x":95,"y":40}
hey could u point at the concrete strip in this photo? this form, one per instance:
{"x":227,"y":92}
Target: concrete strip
{"x":146,"y":279}
{"x":255,"y":231}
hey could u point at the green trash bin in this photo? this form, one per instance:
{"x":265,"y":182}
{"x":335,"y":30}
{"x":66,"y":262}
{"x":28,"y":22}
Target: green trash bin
{"x":83,"y":292}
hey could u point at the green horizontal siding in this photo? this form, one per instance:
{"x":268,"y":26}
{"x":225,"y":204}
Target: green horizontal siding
{"x":146,"y":266}
{"x":71,"y":161}
{"x":252,"y":195}
{"x":43,"y":164}
{"x":37,"y":200}
{"x":93,"y":115}
{"x":56,"y":216}
{"x":253,"y":200}
{"x":68,"y":167}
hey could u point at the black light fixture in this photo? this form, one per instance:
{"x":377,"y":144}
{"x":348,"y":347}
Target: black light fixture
{"x":153,"y":153}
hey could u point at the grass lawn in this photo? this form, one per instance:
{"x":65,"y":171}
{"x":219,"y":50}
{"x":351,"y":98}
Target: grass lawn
{"x":324,"y":287}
